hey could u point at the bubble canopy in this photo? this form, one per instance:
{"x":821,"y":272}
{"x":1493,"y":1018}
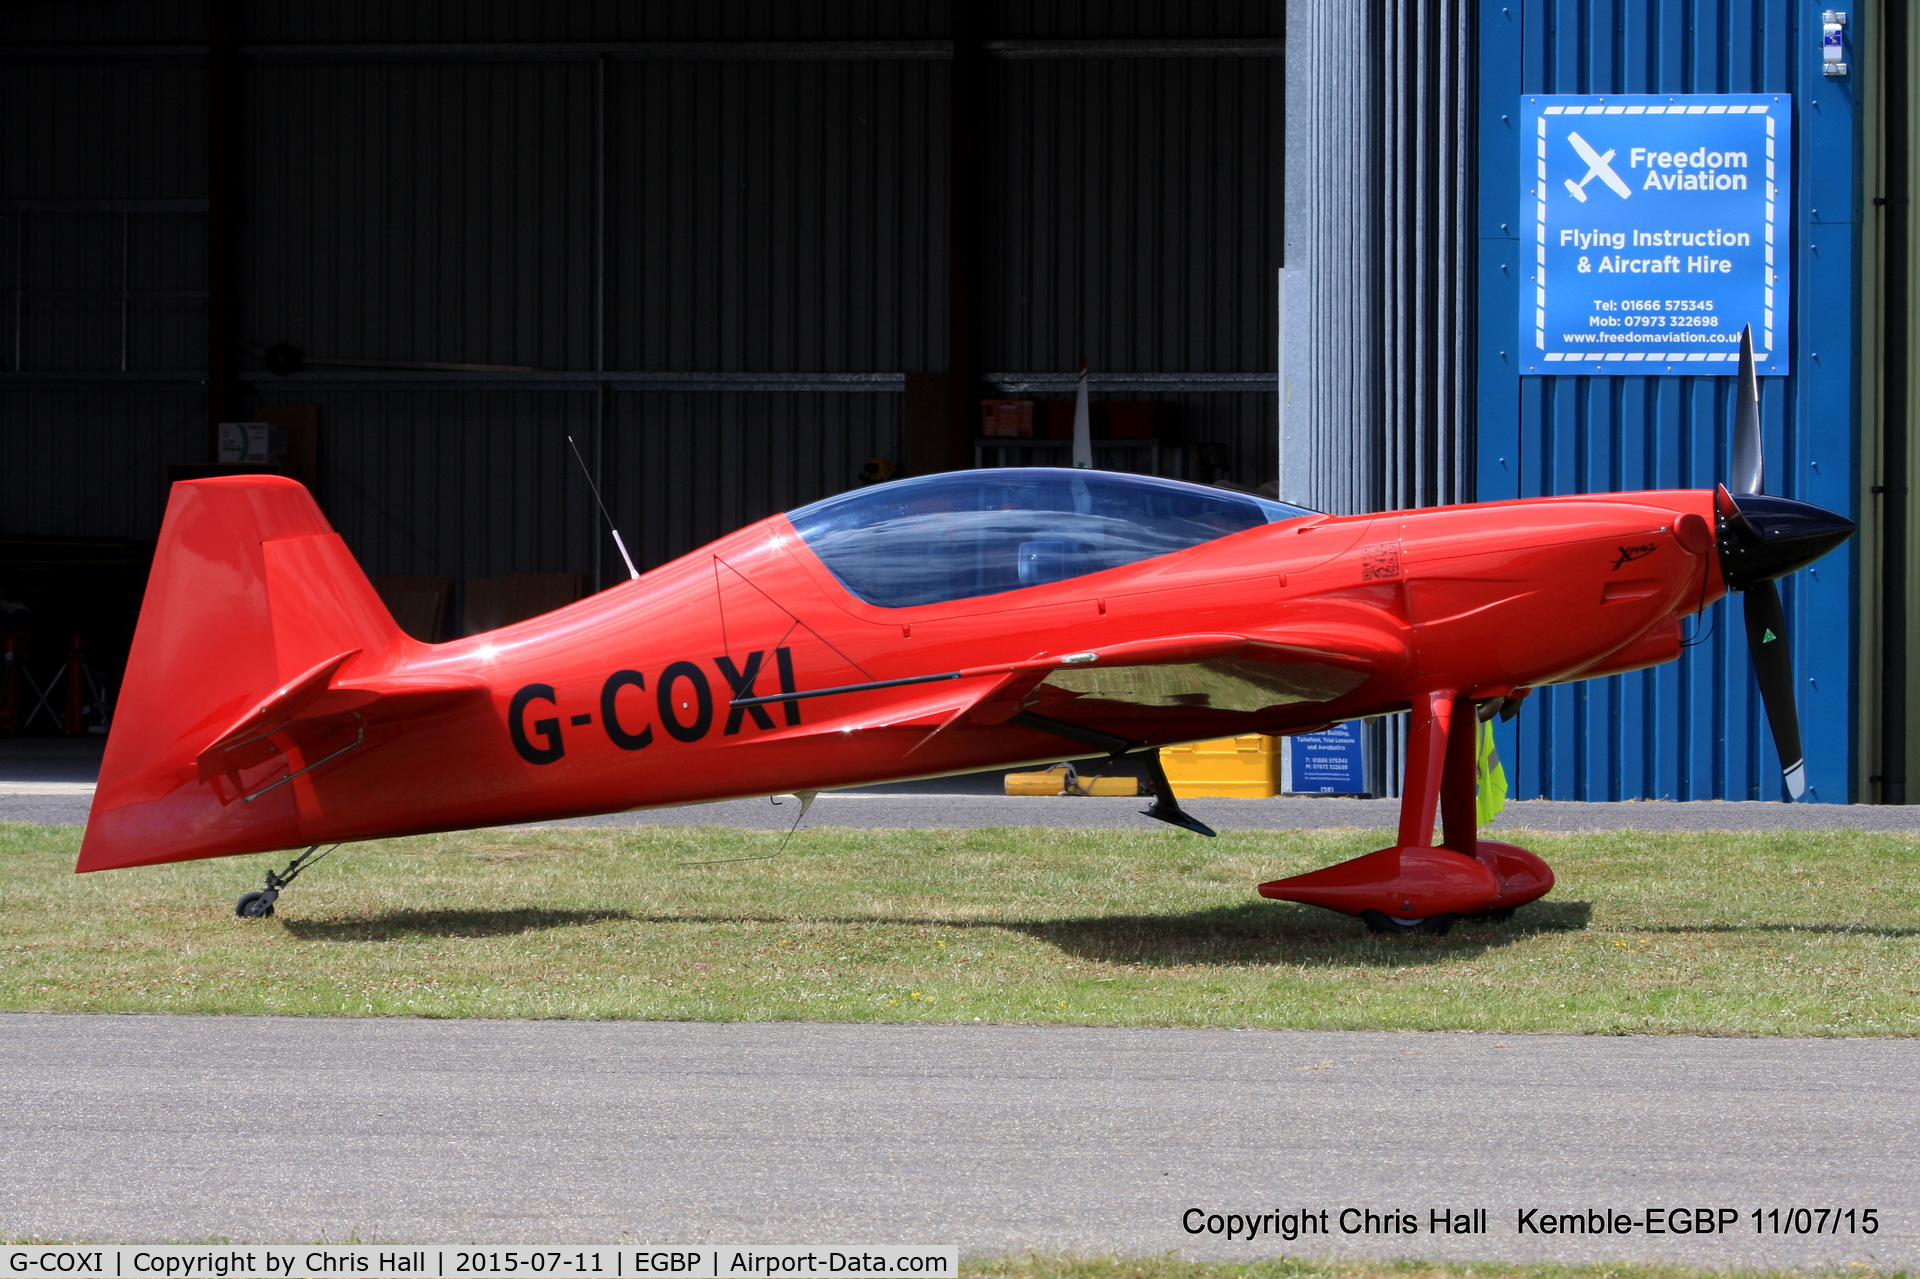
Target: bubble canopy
{"x":969,"y":533}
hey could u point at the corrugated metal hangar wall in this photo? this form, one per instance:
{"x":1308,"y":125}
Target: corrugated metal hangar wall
{"x":1378,"y":406}
{"x":709,"y":240}
{"x":1692,"y":729}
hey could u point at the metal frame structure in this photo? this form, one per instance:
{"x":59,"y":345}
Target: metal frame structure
{"x":19,"y":210}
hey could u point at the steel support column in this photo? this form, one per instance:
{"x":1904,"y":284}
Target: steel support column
{"x":960,"y":231}
{"x":221,"y":67}
{"x":1896,"y":391}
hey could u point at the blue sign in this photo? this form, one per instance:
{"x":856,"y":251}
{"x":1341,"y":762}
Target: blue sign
{"x":1658,"y":225}
{"x":1327,"y":763}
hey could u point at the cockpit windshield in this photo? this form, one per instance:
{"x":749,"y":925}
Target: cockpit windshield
{"x":970,"y":533}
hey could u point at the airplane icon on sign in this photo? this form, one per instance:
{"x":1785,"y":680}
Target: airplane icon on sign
{"x":1598,"y":166}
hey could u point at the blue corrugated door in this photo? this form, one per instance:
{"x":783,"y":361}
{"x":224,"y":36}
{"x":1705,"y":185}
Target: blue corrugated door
{"x":1692,"y":729}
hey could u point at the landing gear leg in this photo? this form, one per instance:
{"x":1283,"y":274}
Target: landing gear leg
{"x":1166,"y":807}
{"x":1459,"y":782}
{"x":1416,"y":886}
{"x":259,"y":905}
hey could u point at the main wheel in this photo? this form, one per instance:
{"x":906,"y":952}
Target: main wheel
{"x":1378,"y":921}
{"x":254,"y":906}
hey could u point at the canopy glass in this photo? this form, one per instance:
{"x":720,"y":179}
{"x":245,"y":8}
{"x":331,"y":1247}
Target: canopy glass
{"x":969,"y":533}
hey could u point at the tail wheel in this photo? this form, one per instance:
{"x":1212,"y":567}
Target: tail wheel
{"x":254,"y":906}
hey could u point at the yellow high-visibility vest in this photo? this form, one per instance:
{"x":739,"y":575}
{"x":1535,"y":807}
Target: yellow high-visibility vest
{"x":1491,"y":792}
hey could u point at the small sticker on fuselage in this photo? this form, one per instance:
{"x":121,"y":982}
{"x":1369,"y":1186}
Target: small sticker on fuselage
{"x":1628,"y":554}
{"x":1380,"y":560}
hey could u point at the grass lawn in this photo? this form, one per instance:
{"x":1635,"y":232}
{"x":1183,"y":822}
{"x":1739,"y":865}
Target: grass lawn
{"x":1794,"y":934}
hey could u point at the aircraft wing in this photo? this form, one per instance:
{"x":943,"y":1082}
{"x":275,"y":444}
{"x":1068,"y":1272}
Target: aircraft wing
{"x":1138,"y":690}
{"x":1260,"y":675}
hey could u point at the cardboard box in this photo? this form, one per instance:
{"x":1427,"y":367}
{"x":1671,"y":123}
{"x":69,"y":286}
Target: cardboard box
{"x":1006,"y":418}
{"x":256,"y":443}
{"x":302,"y":423}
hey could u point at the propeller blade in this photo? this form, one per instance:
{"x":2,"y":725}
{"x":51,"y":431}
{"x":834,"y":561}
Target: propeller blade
{"x":1773,"y":666}
{"x":1749,"y":469}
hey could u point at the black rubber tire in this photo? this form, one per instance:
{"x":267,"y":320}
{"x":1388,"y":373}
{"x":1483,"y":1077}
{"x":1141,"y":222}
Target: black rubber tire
{"x":1378,"y":921}
{"x":1496,"y":916}
{"x":254,"y":906}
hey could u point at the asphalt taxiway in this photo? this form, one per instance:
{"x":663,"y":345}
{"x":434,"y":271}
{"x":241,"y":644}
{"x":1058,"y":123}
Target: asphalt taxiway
{"x":995,"y":1138}
{"x":50,"y":781}
{"x":51,"y":805}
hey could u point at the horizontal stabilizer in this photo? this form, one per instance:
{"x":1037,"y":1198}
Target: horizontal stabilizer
{"x":385,"y":698}
{"x":378,"y":699}
{"x":277,"y":709}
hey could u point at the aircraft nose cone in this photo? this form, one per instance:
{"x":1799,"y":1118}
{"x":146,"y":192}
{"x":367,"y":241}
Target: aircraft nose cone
{"x":1764,"y":537}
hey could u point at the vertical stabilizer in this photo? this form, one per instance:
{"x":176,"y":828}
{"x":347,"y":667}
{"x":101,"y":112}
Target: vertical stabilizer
{"x":250,"y":589}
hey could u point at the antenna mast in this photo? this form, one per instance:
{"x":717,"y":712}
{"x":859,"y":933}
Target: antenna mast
{"x":633,"y":574}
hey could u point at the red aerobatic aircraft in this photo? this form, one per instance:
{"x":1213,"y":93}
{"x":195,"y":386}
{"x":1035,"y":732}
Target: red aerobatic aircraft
{"x":970,"y":620}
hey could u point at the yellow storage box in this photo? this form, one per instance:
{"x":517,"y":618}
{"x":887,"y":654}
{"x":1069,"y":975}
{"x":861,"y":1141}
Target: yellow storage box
{"x":1227,"y":767}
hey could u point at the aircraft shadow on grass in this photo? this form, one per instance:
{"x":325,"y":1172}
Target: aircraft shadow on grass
{"x":1285,"y":934}
{"x":1249,"y":933}
{"x":398,"y":924}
